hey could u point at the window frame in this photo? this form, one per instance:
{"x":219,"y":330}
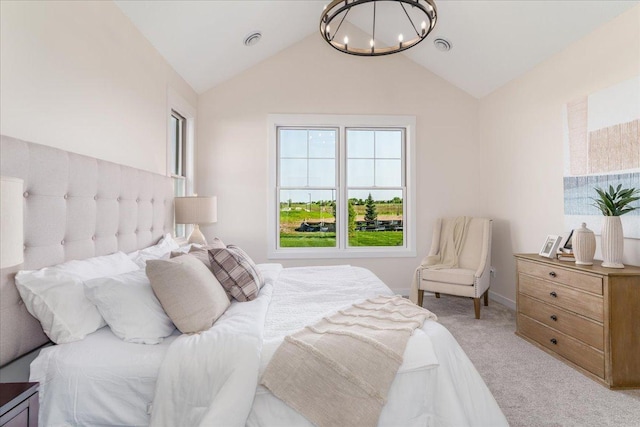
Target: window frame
{"x":342,"y":122}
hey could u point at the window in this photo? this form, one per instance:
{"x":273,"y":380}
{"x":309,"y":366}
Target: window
{"x":180,"y":143}
{"x":342,"y":185}
{"x":177,"y":141}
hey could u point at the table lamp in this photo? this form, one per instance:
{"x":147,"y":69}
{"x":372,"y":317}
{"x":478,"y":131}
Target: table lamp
{"x":11,"y":230}
{"x":196,"y":210}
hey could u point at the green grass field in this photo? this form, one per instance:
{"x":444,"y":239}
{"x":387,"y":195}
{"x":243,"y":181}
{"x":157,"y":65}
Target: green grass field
{"x":328,"y":240}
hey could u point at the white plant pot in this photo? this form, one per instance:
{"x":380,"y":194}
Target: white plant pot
{"x":584,"y":245}
{"x":612,"y":242}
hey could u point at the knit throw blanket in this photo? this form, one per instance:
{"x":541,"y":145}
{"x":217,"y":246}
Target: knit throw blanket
{"x":338,"y":372}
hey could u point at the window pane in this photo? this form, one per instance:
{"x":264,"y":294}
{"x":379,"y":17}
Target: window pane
{"x":179,"y":190}
{"x":175,"y":140}
{"x":360,"y":173}
{"x":389,"y":144}
{"x":360,"y":144}
{"x":322,"y":173}
{"x":307,"y":218}
{"x":293,"y":173}
{"x":293,"y":143}
{"x":377,"y":218}
{"x":322,"y":143}
{"x":388,"y":173}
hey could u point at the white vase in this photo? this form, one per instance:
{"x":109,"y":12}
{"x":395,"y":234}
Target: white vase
{"x":584,"y":245}
{"x":612,"y":242}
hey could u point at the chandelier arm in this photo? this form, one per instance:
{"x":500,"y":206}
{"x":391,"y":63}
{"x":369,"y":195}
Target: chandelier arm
{"x":373,"y":33}
{"x":409,"y":18}
{"x":340,"y":24}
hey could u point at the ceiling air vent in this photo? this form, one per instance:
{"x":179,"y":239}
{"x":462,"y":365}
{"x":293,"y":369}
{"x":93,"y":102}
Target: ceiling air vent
{"x":252,"y":38}
{"x":442,"y":45}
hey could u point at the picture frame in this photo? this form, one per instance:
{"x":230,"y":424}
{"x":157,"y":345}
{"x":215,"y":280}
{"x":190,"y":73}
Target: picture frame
{"x":567,"y":247}
{"x":550,"y":246}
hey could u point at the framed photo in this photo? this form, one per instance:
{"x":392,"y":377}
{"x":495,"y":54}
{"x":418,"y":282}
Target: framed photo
{"x":550,"y":246}
{"x":568,"y":244}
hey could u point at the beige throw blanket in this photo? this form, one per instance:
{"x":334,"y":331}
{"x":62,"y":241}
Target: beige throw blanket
{"x":452,"y":235}
{"x":338,"y":372}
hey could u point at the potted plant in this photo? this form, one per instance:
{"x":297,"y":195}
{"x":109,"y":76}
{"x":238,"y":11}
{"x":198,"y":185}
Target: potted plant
{"x":613,"y":204}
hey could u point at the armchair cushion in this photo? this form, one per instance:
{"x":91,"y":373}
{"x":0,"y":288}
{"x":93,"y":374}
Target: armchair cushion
{"x":455,"y":276}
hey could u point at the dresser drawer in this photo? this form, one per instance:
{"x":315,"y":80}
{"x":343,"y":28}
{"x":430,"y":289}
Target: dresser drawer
{"x":571,"y":349}
{"x":591,"y":306}
{"x":566,"y":277}
{"x":587,"y":331}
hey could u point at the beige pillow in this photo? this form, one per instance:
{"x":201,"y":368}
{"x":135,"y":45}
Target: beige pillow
{"x":202,"y":252}
{"x":189,"y":293}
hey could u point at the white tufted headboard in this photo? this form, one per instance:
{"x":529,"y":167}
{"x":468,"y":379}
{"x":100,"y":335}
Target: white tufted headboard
{"x":75,"y":207}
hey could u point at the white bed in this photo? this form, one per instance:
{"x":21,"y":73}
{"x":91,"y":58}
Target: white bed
{"x":103,"y":380}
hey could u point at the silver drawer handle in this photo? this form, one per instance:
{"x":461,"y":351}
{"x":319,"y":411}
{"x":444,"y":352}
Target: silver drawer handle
{"x":552,"y":274}
{"x":553,"y":341}
{"x":553,"y":294}
{"x":554,"y":317}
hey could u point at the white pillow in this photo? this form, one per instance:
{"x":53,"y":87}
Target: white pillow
{"x":55,"y":295}
{"x":129,"y":306}
{"x":160,"y":250}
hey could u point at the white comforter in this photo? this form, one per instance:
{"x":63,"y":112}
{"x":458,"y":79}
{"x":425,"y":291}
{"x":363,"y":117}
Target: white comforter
{"x":210,"y":378}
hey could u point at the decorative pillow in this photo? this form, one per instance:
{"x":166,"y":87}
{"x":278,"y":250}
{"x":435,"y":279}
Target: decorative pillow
{"x":55,"y":295}
{"x":202,"y":252}
{"x":189,"y":293}
{"x":130,"y":307}
{"x":236,"y":272}
{"x":161,"y":250}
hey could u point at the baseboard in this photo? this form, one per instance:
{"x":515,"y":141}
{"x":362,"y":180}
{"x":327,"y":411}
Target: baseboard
{"x":502,"y":300}
{"x":401,"y":291}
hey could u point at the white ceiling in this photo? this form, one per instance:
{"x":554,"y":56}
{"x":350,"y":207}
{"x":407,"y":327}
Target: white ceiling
{"x":493,"y":41}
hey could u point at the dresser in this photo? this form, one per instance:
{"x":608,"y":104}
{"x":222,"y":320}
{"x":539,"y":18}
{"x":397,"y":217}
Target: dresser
{"x":19,"y":404}
{"x":587,"y":316}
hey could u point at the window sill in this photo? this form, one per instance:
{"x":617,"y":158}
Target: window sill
{"x":300,"y":253}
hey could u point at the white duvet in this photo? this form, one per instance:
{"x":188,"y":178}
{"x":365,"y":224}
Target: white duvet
{"x":210,"y":379}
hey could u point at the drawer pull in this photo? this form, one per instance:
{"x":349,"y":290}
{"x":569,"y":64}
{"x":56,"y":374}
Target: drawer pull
{"x":553,"y":294}
{"x":553,"y":341}
{"x":552,"y":274}
{"x":554,"y":317}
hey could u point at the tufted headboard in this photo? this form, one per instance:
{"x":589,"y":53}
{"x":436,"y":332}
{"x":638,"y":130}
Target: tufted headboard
{"x":75,"y":207}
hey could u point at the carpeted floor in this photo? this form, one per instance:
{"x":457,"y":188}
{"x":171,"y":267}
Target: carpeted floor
{"x":532,"y":387}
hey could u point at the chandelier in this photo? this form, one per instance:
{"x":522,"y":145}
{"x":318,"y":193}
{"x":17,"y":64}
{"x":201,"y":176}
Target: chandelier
{"x":394,"y":20}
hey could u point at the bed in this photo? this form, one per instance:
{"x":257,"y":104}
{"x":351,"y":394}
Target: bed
{"x":213,"y":377}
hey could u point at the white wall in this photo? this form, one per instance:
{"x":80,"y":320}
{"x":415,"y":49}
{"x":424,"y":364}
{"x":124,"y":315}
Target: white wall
{"x":311,"y":77}
{"x":78,"y":75}
{"x":521,"y":134}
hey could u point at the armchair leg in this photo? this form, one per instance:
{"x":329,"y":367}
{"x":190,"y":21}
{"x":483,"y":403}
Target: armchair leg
{"x":437,"y":294}
{"x":476,"y":306}
{"x":486,"y":298}
{"x":420,"y":297}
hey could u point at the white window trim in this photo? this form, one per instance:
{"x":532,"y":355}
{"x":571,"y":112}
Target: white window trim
{"x":342,"y":121}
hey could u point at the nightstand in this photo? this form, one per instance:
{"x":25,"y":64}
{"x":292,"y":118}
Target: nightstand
{"x":19,"y":404}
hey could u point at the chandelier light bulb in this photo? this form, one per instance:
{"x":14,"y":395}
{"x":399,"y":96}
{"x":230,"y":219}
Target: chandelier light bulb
{"x":424,"y":28}
{"x":346,"y":42}
{"x":400,"y":38}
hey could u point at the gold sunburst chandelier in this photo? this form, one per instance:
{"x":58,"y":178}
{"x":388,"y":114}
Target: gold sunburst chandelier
{"x":403,"y":22}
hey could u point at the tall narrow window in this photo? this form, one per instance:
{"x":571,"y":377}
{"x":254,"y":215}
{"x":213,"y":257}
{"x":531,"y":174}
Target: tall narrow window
{"x":343,"y":184}
{"x":177,"y":142}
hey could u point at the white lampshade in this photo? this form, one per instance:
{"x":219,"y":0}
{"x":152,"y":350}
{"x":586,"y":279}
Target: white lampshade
{"x":11,"y":230}
{"x":196,"y":210}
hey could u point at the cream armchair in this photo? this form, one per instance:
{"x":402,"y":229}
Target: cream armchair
{"x":471,"y":276}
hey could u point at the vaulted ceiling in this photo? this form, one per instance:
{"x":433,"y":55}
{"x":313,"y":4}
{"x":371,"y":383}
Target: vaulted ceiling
{"x":493,"y":41}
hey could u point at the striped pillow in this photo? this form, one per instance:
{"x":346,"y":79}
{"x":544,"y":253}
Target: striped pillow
{"x":236,"y":272}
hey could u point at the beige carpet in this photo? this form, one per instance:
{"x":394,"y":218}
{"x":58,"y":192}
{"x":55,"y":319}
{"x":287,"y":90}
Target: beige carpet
{"x":531,"y":387}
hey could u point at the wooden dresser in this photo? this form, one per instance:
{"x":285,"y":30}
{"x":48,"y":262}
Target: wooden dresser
{"x":587,"y":316}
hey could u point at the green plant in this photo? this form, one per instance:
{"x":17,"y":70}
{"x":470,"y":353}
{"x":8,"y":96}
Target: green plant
{"x":615,"y":202}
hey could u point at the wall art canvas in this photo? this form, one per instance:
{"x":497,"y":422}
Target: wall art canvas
{"x":602,"y":148}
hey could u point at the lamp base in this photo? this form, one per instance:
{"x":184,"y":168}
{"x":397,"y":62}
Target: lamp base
{"x":196,"y":236}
